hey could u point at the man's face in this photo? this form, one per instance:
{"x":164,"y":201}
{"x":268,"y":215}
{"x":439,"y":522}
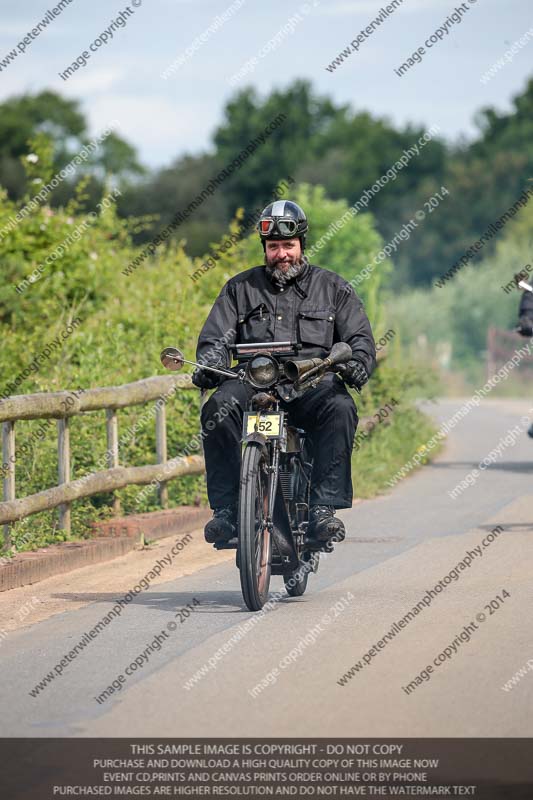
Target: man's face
{"x":282,"y":253}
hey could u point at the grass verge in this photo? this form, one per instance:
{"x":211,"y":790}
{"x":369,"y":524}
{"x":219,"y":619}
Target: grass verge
{"x":388,"y":448}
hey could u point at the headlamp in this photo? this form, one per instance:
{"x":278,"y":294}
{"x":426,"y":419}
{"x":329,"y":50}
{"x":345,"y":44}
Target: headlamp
{"x":262,"y":371}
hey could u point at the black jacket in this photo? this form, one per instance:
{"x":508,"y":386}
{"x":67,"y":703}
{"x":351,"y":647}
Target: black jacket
{"x":317,"y":309}
{"x":526,"y":305}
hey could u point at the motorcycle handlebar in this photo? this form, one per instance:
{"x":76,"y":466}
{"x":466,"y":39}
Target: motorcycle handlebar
{"x":300,"y":372}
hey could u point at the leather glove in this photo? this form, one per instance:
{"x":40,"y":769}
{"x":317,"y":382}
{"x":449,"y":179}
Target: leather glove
{"x":204,"y":378}
{"x":353,"y":373}
{"x":525,"y":326}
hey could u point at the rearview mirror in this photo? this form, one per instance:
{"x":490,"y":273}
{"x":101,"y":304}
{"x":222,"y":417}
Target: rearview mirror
{"x":172,"y":358}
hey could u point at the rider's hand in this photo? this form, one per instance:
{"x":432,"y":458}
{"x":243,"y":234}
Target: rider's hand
{"x":353,"y":373}
{"x":205,"y":379}
{"x":525,"y":326}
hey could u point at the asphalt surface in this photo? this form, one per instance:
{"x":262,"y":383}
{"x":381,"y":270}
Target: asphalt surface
{"x":397,"y":547}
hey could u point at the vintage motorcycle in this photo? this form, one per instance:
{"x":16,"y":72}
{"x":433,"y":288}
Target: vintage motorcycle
{"x":276,"y":466}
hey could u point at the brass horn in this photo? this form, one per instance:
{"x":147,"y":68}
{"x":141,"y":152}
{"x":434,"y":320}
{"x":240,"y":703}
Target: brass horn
{"x":297,"y":371}
{"x":340,"y":353}
{"x":301,"y":371}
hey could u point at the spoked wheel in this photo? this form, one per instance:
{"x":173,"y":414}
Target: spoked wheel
{"x":296,"y":581}
{"x":255,"y":541}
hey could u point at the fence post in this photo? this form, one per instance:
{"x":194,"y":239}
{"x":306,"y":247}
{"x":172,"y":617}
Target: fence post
{"x":8,"y":457}
{"x":112,"y":449}
{"x":63,"y":452}
{"x":161,"y":448}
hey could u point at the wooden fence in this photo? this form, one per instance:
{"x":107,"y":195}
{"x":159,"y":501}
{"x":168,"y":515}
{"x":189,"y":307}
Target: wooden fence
{"x":66,"y":404}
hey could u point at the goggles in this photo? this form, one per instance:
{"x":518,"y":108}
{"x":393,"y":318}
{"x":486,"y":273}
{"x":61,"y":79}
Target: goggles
{"x":286,"y":227}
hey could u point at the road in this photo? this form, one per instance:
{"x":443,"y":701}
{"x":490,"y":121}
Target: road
{"x":398,"y":546}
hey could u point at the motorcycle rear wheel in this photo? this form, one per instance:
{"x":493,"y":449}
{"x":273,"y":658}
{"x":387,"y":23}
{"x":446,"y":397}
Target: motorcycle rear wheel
{"x":255,"y":540}
{"x":296,"y":581}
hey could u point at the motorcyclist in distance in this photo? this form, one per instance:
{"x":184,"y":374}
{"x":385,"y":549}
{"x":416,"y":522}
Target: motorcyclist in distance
{"x":525,"y":319}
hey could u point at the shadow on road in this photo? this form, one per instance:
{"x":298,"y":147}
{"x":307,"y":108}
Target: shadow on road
{"x":214,"y":601}
{"x":524,"y":467}
{"x":510,"y":527}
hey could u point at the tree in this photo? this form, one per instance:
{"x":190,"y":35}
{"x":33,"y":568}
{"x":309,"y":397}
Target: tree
{"x":164,"y":193}
{"x":485,"y":178}
{"x":289,"y":145}
{"x":512,"y":132}
{"x":325,"y":144}
{"x":25,"y":116}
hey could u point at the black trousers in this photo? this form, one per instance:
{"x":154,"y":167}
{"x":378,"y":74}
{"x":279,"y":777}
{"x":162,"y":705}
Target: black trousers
{"x":327,"y":413}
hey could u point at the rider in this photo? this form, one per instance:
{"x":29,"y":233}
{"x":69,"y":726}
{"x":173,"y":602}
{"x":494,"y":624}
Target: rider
{"x":287,"y":299}
{"x":525,"y":320}
{"x":525,"y":314}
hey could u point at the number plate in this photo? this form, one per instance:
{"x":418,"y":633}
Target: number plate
{"x":267,"y":424}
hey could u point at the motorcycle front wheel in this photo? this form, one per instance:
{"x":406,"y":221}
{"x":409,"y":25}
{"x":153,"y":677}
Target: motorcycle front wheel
{"x":255,"y":540}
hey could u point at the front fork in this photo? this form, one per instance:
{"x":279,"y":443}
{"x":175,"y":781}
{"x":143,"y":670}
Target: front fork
{"x":272,"y":484}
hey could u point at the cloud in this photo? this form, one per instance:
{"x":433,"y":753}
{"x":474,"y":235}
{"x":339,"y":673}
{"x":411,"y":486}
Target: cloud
{"x":159,"y":128}
{"x":357,"y":7}
{"x":93,"y":80}
{"x":17,"y":31}
{"x":14,"y":31}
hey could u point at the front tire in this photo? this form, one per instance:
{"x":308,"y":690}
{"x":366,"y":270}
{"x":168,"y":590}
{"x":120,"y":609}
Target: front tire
{"x":255,"y":540}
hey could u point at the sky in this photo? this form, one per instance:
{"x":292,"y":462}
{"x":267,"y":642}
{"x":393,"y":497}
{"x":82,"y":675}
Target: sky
{"x":166,"y":118}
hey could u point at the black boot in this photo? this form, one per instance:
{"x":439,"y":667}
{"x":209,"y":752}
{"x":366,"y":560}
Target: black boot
{"x":223,"y":526}
{"x":324,"y":525}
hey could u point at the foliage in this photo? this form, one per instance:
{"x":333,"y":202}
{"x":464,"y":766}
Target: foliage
{"x":321,"y":143}
{"x":449,"y":324}
{"x":24,"y":117}
{"x":169,"y":190}
{"x":125,"y":323}
{"x":346,"y":151}
{"x":246,"y":116}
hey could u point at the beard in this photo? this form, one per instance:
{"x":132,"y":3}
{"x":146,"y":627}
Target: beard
{"x":281,"y":276}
